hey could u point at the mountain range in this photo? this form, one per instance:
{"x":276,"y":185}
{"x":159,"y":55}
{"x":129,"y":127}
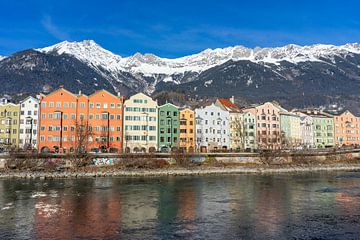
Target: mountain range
{"x":296,"y":76}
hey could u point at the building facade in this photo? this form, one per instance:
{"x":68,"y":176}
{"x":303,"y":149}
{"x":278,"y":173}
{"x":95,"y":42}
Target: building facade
{"x":290,"y":130}
{"x":324,"y":134}
{"x":79,"y":123}
{"x":249,"y":120}
{"x":347,"y":129}
{"x":9,"y":126}
{"x":212,"y":129}
{"x":60,"y":117}
{"x":307,"y":130}
{"x":236,"y":123}
{"x":140,"y":124}
{"x":105,"y":118}
{"x":29,"y":119}
{"x":187,"y":130}
{"x":268,"y":124}
{"x":168,"y":127}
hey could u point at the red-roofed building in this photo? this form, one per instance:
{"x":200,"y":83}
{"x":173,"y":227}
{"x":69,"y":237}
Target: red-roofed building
{"x":242,"y":125}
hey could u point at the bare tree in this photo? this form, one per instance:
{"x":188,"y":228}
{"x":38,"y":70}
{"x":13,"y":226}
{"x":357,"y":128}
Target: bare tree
{"x":238,"y":131}
{"x":80,"y":137}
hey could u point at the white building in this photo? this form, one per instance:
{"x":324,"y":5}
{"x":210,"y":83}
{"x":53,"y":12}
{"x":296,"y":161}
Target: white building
{"x":140,"y":124}
{"x":29,"y":118}
{"x":307,"y":130}
{"x":212,"y":129}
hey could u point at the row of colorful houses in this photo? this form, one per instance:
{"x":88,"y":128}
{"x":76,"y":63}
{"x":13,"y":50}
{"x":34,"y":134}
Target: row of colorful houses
{"x":65,"y":122}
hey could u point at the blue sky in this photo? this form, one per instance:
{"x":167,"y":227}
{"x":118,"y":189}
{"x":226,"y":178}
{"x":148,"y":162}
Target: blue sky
{"x":175,"y":28}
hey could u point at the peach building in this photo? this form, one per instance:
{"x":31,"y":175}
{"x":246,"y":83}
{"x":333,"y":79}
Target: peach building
{"x":268,"y":124}
{"x":347,"y":129}
{"x":70,"y":122}
{"x":187,"y":130}
{"x":105,"y":119}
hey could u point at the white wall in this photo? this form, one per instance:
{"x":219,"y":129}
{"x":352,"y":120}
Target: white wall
{"x":212,"y":127}
{"x":29,"y":122}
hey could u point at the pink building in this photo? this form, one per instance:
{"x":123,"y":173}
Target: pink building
{"x":267,"y":124}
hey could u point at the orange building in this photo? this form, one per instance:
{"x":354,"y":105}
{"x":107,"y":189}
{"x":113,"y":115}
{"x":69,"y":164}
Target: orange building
{"x":187,"y":130}
{"x":106,"y":120}
{"x":70,"y":122}
{"x":347,"y":129}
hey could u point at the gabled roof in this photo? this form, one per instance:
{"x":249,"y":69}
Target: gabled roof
{"x":29,"y":97}
{"x":228,"y":105}
{"x":57,"y":90}
{"x":186,"y":109}
{"x":169,"y":104}
{"x":105,"y":91}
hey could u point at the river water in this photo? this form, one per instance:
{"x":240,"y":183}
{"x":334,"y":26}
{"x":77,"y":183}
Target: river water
{"x":285,"y":206}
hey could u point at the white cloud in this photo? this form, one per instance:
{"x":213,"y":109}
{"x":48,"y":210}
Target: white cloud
{"x":54,"y":30}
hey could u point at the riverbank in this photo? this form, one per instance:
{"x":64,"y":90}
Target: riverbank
{"x":178,"y":171}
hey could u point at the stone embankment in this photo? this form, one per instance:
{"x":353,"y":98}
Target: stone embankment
{"x":181,"y":171}
{"x":197,"y":164}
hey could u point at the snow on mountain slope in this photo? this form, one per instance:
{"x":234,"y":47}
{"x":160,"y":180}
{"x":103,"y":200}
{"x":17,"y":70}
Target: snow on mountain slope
{"x":2,"y":57}
{"x":148,"y":64}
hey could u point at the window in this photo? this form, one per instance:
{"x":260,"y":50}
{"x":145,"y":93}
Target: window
{"x":104,"y":116}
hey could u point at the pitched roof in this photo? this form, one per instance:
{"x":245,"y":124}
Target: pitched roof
{"x":228,"y":105}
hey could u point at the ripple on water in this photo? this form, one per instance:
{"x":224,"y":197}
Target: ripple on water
{"x":348,"y":176}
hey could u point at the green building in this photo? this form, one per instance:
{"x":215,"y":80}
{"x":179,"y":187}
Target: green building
{"x":290,"y":130}
{"x":168,"y":127}
{"x":323,"y":129}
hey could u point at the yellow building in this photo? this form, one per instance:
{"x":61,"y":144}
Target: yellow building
{"x":140,"y":124}
{"x":9,"y":125}
{"x":187,"y":130}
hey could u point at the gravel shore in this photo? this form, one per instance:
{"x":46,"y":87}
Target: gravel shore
{"x":179,"y":171}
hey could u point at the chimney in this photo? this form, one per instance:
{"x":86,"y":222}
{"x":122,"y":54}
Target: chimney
{"x":118,"y":94}
{"x":61,"y":86}
{"x":232,"y":99}
{"x":79,"y":92}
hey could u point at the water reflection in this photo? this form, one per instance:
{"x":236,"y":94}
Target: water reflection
{"x":215,"y":207}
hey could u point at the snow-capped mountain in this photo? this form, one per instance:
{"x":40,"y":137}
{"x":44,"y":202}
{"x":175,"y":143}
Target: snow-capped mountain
{"x":292,"y":73}
{"x":167,"y":70}
{"x":2,"y":57}
{"x":148,"y":64}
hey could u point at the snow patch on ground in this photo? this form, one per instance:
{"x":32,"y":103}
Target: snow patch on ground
{"x":207,"y":83}
{"x":249,"y":81}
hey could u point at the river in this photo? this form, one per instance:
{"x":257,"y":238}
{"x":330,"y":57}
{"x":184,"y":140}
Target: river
{"x":283,"y":206}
